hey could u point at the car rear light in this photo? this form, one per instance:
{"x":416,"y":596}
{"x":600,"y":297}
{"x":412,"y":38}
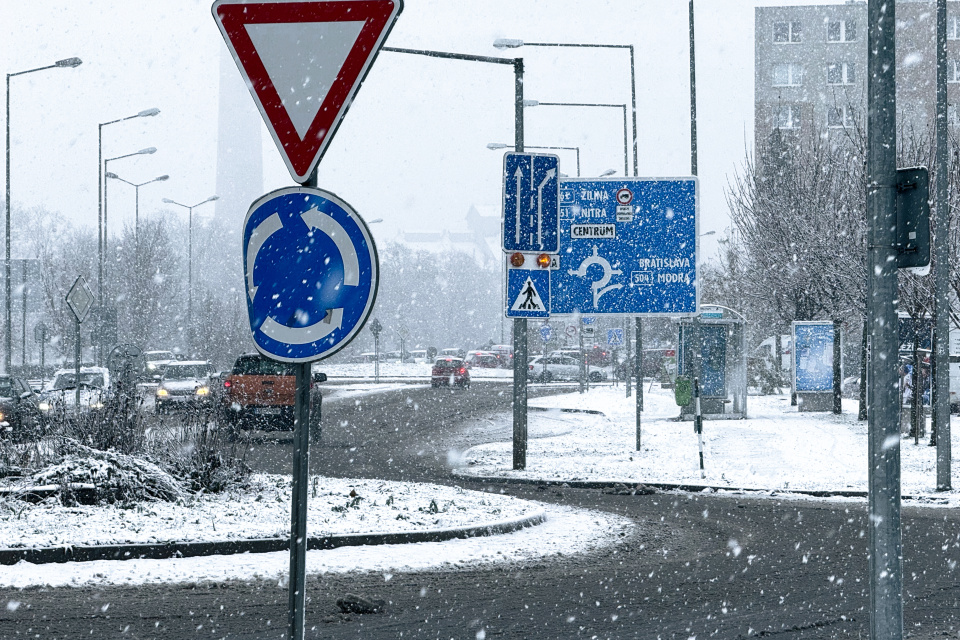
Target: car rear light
{"x":463,"y":370}
{"x":227,"y":384}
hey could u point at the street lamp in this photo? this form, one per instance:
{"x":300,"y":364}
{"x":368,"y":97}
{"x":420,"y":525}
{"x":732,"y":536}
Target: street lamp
{"x":622,"y":106}
{"x":190,"y":209}
{"x":510,"y":43}
{"x":493,"y":146}
{"x":136,"y":219}
{"x":101,"y":195}
{"x":65,"y":63}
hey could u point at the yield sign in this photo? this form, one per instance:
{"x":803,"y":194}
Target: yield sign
{"x":304,"y":62}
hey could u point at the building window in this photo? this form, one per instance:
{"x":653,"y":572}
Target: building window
{"x":953,"y":27}
{"x":784,"y":32}
{"x":953,"y":71}
{"x":840,"y":73}
{"x":787,"y":75}
{"x":841,"y":31}
{"x":788,"y":117}
{"x":839,"y":117}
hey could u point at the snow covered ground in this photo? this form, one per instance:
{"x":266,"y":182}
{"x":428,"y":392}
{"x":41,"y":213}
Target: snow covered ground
{"x":776,"y":449}
{"x":260,"y":511}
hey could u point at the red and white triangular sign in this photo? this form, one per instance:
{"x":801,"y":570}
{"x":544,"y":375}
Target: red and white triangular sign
{"x":304,"y":61}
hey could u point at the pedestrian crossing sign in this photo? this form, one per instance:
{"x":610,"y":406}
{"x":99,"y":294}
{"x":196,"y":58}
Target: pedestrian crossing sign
{"x":528,"y":293}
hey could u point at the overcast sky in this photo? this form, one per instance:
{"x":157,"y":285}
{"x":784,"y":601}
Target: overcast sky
{"x":412,"y":149}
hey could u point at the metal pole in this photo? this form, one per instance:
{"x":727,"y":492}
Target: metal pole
{"x":837,"y":369}
{"x":519,"y":324}
{"x":885,"y":544}
{"x":298,"y":512}
{"x":190,"y":280}
{"x":628,"y":369}
{"x":76,"y":357}
{"x":6,"y":261}
{"x":696,"y":337}
{"x":376,"y":358}
{"x":698,"y":422}
{"x":940,"y":432}
{"x":693,"y":98}
{"x":99,"y":225}
{"x":626,"y":160}
{"x":23,"y":317}
{"x":638,"y":364}
{"x":582,"y":374}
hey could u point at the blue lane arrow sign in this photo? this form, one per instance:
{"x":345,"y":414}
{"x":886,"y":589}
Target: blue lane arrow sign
{"x":531,"y":202}
{"x":311,"y":273}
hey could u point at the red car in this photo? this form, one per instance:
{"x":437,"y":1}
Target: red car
{"x":449,"y":371}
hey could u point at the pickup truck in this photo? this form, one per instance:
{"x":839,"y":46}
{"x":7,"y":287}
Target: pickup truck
{"x":259,"y":393}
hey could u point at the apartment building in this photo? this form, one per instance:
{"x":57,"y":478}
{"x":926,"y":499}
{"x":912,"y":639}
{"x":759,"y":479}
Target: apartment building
{"x":811,"y":67}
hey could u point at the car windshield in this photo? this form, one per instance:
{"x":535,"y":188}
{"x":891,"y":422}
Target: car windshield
{"x":68,"y":380}
{"x":154,"y":356}
{"x":448,"y":363}
{"x":259,"y":366}
{"x":185,"y":371}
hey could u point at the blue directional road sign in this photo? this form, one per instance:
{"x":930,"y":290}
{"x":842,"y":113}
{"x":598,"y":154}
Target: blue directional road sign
{"x":627,"y":247}
{"x":615,"y":337}
{"x":311,"y":273}
{"x":530,"y":202}
{"x":546,"y":332}
{"x":528,"y":293}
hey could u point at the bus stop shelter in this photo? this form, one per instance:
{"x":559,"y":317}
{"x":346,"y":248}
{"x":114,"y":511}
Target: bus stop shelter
{"x":723,"y":362}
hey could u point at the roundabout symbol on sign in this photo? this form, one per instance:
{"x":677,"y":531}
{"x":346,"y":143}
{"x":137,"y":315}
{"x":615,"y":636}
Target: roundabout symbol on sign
{"x":311,"y":273}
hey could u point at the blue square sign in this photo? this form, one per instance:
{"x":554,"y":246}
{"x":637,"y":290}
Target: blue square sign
{"x":528,"y":293}
{"x":628,"y":246}
{"x":531,"y":202}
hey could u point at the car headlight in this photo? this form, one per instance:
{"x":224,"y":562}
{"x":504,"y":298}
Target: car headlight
{"x":2,"y":416}
{"x":44,"y":406}
{"x":203,"y":391}
{"x":162,"y":393}
{"x":96,"y":405}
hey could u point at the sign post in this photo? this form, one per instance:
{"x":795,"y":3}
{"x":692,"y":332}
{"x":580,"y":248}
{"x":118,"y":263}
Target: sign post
{"x":79,"y":299}
{"x":375,"y":329}
{"x":304,"y":61}
{"x":40,"y":337}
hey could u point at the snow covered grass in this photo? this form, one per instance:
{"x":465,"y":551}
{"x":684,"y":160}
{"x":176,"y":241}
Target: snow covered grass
{"x":567,"y":531}
{"x":259,"y":510}
{"x":776,"y":449}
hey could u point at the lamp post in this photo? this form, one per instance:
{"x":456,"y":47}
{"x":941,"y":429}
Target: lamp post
{"x":493,"y":146}
{"x":136,"y":186}
{"x":190,"y":209}
{"x":507,"y":43}
{"x":519,"y":324}
{"x":101,"y":196}
{"x":622,"y":106}
{"x":8,"y":325}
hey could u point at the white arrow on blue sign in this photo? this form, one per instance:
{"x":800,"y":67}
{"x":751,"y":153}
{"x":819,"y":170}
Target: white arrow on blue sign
{"x":531,"y":202}
{"x":627,"y":246}
{"x":311,"y":273}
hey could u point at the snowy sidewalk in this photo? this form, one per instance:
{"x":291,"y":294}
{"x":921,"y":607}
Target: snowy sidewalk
{"x":776,"y":449}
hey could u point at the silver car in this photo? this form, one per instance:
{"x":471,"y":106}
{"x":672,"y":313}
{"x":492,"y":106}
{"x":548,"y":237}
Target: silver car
{"x":185,"y":384}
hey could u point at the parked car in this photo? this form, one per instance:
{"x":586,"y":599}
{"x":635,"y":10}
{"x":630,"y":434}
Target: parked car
{"x":449,"y":371}
{"x":259,"y":394}
{"x":184,"y":384}
{"x":61,"y":395}
{"x":20,"y":417}
{"x":553,"y":367}
{"x":505,"y":353}
{"x":453,"y":353}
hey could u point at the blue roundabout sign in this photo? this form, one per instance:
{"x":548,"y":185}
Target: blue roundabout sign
{"x":311,"y":273}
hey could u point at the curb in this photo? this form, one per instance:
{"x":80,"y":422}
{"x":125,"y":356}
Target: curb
{"x":670,"y":486}
{"x":162,"y":551}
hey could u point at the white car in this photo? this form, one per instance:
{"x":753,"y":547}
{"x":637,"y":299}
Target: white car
{"x":157,"y":360}
{"x":184,"y":383}
{"x":61,"y":393}
{"x":557,"y":367}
